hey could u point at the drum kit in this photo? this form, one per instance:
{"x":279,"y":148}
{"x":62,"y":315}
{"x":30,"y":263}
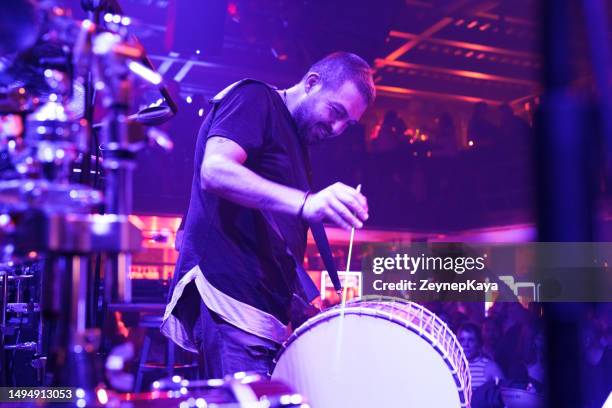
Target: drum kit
{"x":54,"y":71}
{"x":239,"y":390}
{"x":54,"y":219}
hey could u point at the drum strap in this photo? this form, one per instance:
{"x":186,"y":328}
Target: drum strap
{"x":320,"y":237}
{"x":318,"y":233}
{"x":309,"y":289}
{"x":300,"y":308}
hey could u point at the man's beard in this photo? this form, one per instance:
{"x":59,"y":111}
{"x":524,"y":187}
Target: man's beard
{"x":309,"y":129}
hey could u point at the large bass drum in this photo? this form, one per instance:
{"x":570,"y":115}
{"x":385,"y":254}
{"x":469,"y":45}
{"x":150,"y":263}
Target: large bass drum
{"x":376,"y":353}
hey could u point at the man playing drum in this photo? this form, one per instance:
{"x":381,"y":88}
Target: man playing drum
{"x":250,"y":208}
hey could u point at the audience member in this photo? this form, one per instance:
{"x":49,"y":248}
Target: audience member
{"x":390,"y":134}
{"x":482,"y":368}
{"x":514,"y":131}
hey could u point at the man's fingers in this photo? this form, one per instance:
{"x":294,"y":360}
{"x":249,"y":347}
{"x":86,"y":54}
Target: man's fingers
{"x":364,"y":201}
{"x":355,"y":195}
{"x":353,"y":204}
{"x":331,"y":214}
{"x":343,"y":205}
{"x":345,"y":213}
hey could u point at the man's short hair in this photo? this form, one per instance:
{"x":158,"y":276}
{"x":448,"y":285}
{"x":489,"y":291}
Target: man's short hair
{"x":471,"y":328}
{"x":339,"y":67}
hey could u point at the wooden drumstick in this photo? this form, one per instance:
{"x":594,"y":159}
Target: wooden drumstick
{"x":339,"y":339}
{"x":348,"y":261}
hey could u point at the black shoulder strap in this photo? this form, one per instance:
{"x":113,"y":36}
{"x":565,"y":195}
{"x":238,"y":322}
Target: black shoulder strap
{"x":320,"y":237}
{"x":308,"y":286}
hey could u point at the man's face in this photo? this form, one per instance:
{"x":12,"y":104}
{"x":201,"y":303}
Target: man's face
{"x":326,"y":113}
{"x":469,"y":342}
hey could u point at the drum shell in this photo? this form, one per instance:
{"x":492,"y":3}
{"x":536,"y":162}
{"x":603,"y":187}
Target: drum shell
{"x":376,"y":353}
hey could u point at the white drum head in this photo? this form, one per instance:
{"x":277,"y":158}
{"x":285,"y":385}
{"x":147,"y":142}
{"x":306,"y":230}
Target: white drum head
{"x":364,"y":361}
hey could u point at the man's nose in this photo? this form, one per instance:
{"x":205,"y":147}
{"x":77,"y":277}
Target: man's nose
{"x":338,"y":127}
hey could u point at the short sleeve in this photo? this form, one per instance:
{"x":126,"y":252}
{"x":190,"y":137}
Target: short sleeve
{"x":242,"y":116}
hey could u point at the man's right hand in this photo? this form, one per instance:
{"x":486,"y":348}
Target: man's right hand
{"x":339,"y":203}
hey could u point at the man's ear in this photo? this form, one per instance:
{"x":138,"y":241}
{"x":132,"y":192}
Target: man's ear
{"x":312,"y":80}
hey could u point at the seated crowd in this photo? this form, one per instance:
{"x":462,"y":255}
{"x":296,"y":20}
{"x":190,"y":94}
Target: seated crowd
{"x":506,"y":348}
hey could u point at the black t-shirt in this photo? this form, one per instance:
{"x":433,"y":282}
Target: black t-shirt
{"x":237,"y":250}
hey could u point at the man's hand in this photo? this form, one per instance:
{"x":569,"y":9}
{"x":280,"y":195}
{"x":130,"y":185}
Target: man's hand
{"x":337,"y":203}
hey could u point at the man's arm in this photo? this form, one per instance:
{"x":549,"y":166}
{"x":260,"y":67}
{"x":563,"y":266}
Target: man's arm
{"x":223,"y":173}
{"x":493,"y":371}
